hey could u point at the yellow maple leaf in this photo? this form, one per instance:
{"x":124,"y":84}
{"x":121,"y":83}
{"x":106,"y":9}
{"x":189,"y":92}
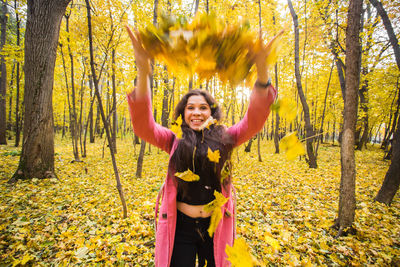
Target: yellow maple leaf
{"x":215,"y":207}
{"x":188,"y":176}
{"x":213,"y":156}
{"x":176,"y":127}
{"x":291,"y":145}
{"x":239,"y":254}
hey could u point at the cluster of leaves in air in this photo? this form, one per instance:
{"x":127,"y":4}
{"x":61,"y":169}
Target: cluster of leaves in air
{"x":206,"y":46}
{"x":284,"y":212}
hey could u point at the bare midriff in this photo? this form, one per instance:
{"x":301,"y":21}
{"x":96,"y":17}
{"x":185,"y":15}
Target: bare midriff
{"x":194,"y":211}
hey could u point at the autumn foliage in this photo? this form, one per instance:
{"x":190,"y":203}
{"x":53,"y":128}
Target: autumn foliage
{"x":284,"y":212}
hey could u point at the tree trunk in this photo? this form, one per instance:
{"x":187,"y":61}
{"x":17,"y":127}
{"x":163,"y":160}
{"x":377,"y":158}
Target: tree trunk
{"x":389,"y":128}
{"x":114,"y":104}
{"x":143,"y":143}
{"x":41,"y":38}
{"x":88,"y":121}
{"x":248,"y":146}
{"x":392,"y":178}
{"x":11,"y":89}
{"x":106,"y":126}
{"x":347,"y":199}
{"x":312,"y":161}
{"x":17,"y":82}
{"x":3,"y":77}
{"x":73,"y":118}
{"x":139,"y":165}
{"x":276,"y":131}
{"x":164,"y":113}
{"x":91,"y":122}
{"x":363,"y":92}
{"x":321,"y":129}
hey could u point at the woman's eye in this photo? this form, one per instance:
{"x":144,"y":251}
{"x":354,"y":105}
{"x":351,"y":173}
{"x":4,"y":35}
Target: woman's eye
{"x":203,"y":108}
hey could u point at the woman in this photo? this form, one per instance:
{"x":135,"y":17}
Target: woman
{"x":184,"y":221}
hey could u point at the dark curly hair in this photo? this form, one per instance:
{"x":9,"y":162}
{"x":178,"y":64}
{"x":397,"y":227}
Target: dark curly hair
{"x":191,"y":152}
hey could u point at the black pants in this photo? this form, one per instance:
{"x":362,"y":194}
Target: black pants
{"x":191,"y":239}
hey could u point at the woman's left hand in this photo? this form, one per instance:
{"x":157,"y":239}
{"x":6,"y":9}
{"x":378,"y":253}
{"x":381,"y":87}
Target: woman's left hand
{"x":260,"y":58}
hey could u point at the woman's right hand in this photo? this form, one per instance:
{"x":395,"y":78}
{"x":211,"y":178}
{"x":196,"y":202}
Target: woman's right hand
{"x":142,"y":57}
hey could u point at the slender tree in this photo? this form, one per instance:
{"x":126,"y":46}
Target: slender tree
{"x":17,"y":81}
{"x":3,"y":77}
{"x":41,"y":38}
{"x":392,"y":178}
{"x":347,"y":199}
{"x":103,"y":116}
{"x":312,"y":160}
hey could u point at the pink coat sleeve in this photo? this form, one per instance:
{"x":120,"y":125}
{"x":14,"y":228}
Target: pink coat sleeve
{"x":255,"y":117}
{"x":144,"y":125}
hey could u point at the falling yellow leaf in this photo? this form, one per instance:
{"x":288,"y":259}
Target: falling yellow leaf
{"x":210,"y":121}
{"x":188,"y":176}
{"x":286,"y":109}
{"x":213,"y":156}
{"x":239,"y":254}
{"x":226,"y":170}
{"x":176,"y":127}
{"x":215,"y":207}
{"x":291,"y":145}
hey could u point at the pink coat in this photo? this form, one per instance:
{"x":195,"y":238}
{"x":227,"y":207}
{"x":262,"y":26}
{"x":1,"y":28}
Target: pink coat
{"x":146,"y":128}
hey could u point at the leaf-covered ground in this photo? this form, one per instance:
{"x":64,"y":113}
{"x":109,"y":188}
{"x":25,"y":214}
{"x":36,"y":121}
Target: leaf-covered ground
{"x":285,"y":210}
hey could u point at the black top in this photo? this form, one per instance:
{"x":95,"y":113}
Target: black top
{"x":201,"y":192}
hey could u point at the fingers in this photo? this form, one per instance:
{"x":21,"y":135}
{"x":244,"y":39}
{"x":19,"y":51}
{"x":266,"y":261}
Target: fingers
{"x":133,"y":36}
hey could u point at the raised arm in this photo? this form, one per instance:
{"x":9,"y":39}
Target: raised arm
{"x":261,"y":98}
{"x":256,"y":115}
{"x":140,"y":103}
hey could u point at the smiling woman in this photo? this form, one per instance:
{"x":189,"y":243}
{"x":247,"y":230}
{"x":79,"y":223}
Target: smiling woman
{"x":197,"y":211}
{"x":197,"y":111}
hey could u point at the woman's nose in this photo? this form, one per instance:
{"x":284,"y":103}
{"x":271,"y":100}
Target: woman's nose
{"x":196,"y":111}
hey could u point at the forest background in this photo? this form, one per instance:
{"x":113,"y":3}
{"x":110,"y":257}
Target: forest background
{"x":285,"y":208}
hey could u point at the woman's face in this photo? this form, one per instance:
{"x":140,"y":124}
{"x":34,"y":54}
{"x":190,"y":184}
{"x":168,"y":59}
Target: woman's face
{"x":197,"y":111}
